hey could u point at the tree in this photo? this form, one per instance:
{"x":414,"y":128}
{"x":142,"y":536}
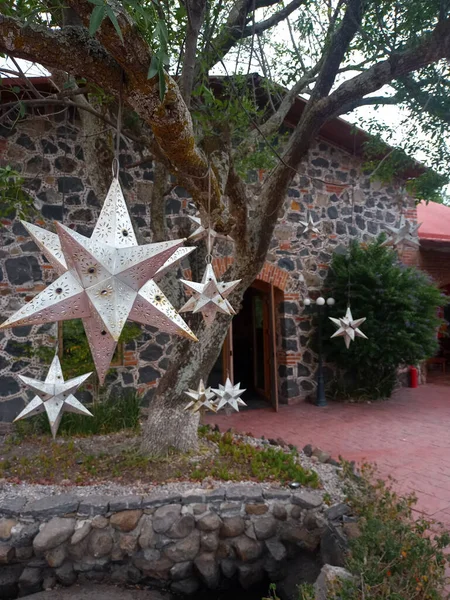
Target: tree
{"x":158,"y":55}
{"x":401,"y":308}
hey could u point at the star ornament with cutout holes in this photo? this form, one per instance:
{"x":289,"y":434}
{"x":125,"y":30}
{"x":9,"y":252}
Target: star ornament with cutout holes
{"x":309,"y":225}
{"x":104,"y":280}
{"x":229,"y":395}
{"x":54,"y":396}
{"x":210,"y":234}
{"x":201,"y":398}
{"x":210,"y":296}
{"x":348,"y":328}
{"x":406,"y":233}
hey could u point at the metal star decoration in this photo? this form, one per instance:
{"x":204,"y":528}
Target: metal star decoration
{"x":104,"y":280}
{"x":210,"y":296}
{"x":406,"y":233}
{"x":54,"y":396}
{"x":348,"y":327}
{"x":206,"y":232}
{"x":200,"y":398}
{"x":228,"y":395}
{"x":309,"y":225}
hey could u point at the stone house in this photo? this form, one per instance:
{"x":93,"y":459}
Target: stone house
{"x":267,"y":349}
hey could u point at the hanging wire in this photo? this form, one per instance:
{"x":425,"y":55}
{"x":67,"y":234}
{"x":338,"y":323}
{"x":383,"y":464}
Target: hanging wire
{"x":349,"y":281}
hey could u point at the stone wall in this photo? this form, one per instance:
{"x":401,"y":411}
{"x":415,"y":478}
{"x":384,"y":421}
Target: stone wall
{"x":49,"y":154}
{"x":179,"y":542}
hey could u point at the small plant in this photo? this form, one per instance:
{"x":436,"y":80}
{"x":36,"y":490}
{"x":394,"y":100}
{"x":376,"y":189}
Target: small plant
{"x":272,"y":593}
{"x":400,"y":305}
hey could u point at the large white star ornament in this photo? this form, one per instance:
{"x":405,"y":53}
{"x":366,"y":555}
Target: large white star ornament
{"x":104,"y":280}
{"x":348,"y":327}
{"x":209,"y":296}
{"x":309,"y":225}
{"x":228,"y":395}
{"x":406,"y":233}
{"x":54,"y":396}
{"x":206,"y":232}
{"x":200,"y":398}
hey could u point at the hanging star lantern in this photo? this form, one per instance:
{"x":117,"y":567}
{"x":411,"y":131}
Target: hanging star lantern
{"x":309,"y":225}
{"x":348,"y":327}
{"x":406,"y":233}
{"x":228,"y":395}
{"x":201,"y":398}
{"x":210,"y":296}
{"x":54,"y":396}
{"x":206,"y":232}
{"x":104,"y":280}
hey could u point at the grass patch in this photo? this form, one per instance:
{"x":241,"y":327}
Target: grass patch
{"x":396,"y":556}
{"x":84,"y":460}
{"x":114,"y":414}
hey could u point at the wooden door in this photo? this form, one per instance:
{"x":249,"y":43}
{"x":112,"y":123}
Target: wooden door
{"x":227,"y":356}
{"x":273,"y":350}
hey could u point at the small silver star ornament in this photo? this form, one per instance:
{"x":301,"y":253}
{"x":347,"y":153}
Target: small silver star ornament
{"x":104,"y":280}
{"x":309,"y":225}
{"x":54,"y":396}
{"x":210,"y":296}
{"x":406,"y":233}
{"x":201,"y":398}
{"x":348,"y":328}
{"x":228,"y":395}
{"x":206,"y":232}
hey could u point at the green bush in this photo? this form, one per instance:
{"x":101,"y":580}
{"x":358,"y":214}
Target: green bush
{"x":396,"y":556}
{"x":114,"y":414}
{"x":400,"y":305}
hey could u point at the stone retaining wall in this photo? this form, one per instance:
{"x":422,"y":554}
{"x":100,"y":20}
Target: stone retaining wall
{"x":241,"y":533}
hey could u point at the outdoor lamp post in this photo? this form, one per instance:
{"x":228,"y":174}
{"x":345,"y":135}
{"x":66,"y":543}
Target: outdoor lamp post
{"x":321,"y":305}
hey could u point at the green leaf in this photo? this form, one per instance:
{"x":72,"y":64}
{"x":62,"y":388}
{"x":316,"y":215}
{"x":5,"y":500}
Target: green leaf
{"x":154,"y":67}
{"x":97,"y":16}
{"x":113,"y":19}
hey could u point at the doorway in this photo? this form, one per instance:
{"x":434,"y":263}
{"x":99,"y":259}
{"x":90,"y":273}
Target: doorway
{"x":248,"y":354}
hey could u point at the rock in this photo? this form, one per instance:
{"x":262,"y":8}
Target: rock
{"x":125,"y":520}
{"x":24,"y":553}
{"x":336,"y":511}
{"x":65,"y":574}
{"x":307,"y":499}
{"x":100,"y":543}
{"x":99,"y":522}
{"x":7,"y":553}
{"x":351,"y":530}
{"x":279,"y":512}
{"x":321,"y":455}
{"x":329,"y":581}
{"x":6,"y":526}
{"x":165,"y":517}
{"x":249,"y":575}
{"x":247,"y":549}
{"x":232,"y":526}
{"x":182,"y":527}
{"x":265,"y":527}
{"x":53,"y":533}
{"x":158,"y":569}
{"x":296,"y":533}
{"x":50,"y":506}
{"x":208,"y":569}
{"x":244,"y":493}
{"x":78,"y":551}
{"x":277,"y":494}
{"x":12,"y":506}
{"x":128,"y":543}
{"x":143,"y":560}
{"x":199,"y":509}
{"x":119,"y":503}
{"x":185,"y":549}
{"x":185,"y":586}
{"x":209,"y":522}
{"x":228,"y":567}
{"x":30,"y":581}
{"x":182,"y":570}
{"x":333,"y":546}
{"x":49,"y":582}
{"x":160,"y":498}
{"x":80,"y":531}
{"x":256,"y":509}
{"x":276,"y":550}
{"x":209,"y":541}
{"x":308,"y":450}
{"x":94,"y":505}
{"x":56,"y":556}
{"x":148,"y":536}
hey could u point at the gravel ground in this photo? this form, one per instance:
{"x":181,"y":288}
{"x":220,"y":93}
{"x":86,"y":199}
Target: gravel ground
{"x":329,"y":476}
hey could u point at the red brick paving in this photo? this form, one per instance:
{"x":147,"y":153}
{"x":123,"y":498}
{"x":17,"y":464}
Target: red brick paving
{"x":407,"y":437}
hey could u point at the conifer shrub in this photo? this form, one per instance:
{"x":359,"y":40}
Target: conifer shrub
{"x":400,"y":304}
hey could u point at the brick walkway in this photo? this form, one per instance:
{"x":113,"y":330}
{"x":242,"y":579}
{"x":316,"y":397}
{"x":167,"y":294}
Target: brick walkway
{"x":407,"y":437}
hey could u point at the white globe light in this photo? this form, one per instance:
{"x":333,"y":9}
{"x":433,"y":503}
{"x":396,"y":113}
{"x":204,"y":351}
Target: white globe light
{"x":320,"y":301}
{"x":331,"y":301}
{"x":306,"y":301}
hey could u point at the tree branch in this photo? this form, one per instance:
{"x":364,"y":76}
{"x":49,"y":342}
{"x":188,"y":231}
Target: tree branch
{"x":273,"y":20}
{"x":196,"y":13}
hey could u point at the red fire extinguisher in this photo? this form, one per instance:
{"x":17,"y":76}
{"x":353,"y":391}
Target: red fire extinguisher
{"x":413,"y":377}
